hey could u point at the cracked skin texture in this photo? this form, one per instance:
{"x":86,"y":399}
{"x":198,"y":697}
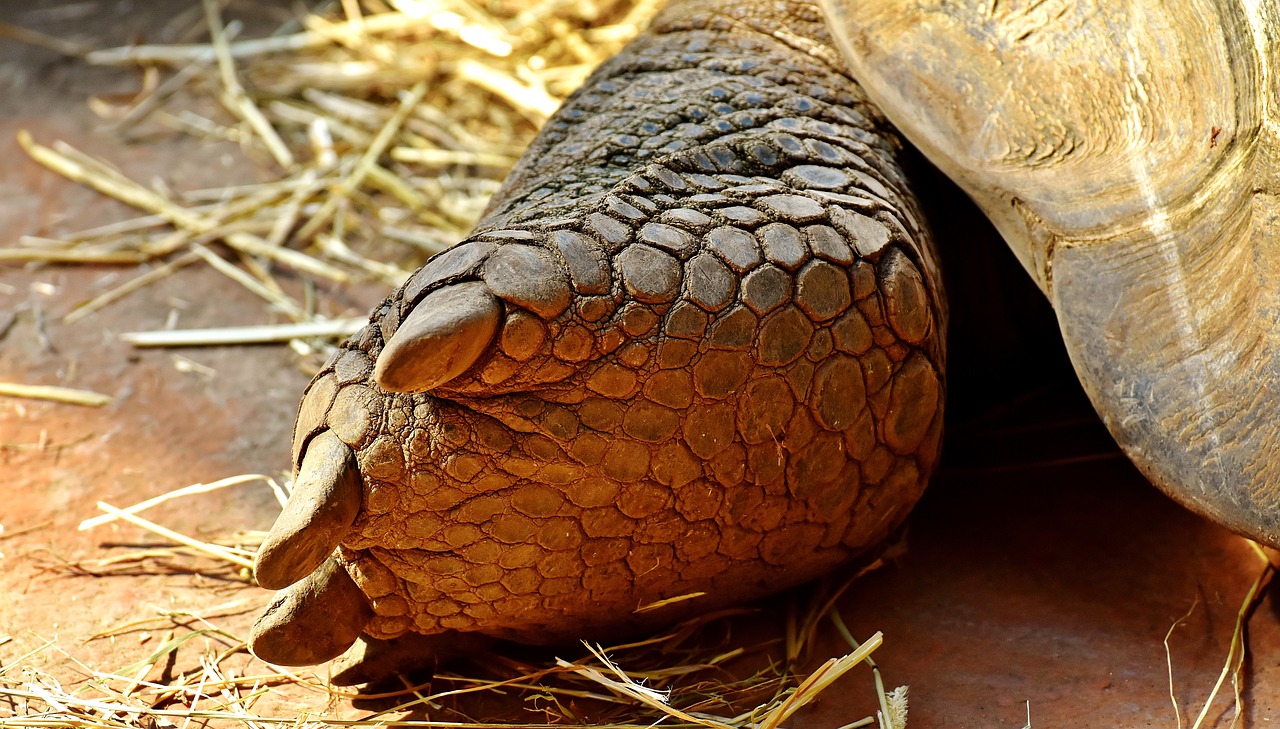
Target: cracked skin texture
{"x":699,"y":348}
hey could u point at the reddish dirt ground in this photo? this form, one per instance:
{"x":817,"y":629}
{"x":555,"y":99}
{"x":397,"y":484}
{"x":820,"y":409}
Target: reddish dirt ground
{"x":1029,"y":576}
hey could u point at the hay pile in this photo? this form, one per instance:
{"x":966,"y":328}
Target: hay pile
{"x":386,"y":126}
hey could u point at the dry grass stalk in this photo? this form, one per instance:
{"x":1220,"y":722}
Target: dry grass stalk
{"x":52,"y":393}
{"x":219,"y":336}
{"x":1234,"y":662}
{"x":234,"y":97}
{"x":38,"y":255}
{"x":212,"y":550}
{"x":42,"y":40}
{"x":818,"y":681}
{"x":668,"y":601}
{"x":1168,"y":658}
{"x":136,"y":283}
{"x":197,"y":488}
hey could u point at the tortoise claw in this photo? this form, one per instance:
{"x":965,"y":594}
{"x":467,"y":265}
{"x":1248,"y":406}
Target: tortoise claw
{"x":440,"y":339}
{"x":325,"y":502}
{"x":312,"y":621}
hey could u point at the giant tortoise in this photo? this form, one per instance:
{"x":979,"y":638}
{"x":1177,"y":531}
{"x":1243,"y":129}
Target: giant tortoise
{"x":694,"y":349}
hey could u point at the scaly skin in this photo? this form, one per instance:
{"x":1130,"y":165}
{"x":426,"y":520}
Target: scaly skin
{"x":717,"y":364}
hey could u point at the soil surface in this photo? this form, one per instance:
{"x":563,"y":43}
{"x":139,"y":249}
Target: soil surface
{"x":1040,"y":574}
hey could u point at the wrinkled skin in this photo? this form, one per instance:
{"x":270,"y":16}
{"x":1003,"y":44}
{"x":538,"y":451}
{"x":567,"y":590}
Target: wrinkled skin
{"x":693,"y":350}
